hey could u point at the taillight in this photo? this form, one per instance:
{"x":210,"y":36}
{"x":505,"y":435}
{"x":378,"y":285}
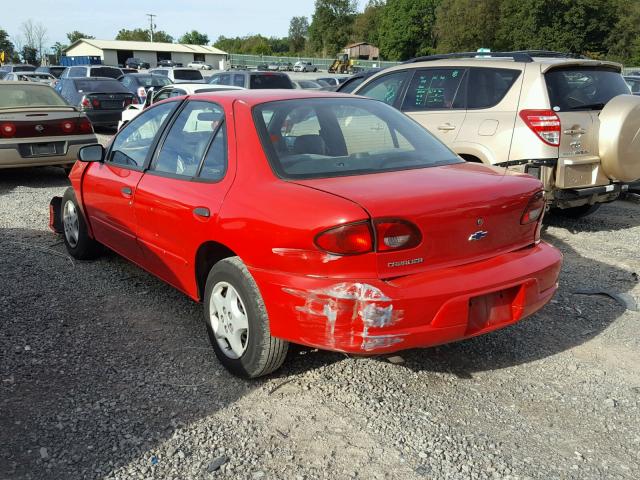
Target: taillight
{"x":396,"y":235}
{"x":84,"y":125}
{"x":95,"y":103}
{"x":350,"y":239}
{"x":534,"y":210}
{"x":544,"y":123}
{"x":68,"y":126}
{"x":85,"y":103}
{"x":7,"y":130}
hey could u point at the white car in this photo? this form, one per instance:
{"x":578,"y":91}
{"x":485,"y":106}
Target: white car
{"x":179,"y":75}
{"x":200,"y":65}
{"x":38,"y":77}
{"x":304,"y":67}
{"x":132,"y":111}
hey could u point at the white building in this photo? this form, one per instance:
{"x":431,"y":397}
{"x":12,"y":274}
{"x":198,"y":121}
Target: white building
{"x":116,"y":52}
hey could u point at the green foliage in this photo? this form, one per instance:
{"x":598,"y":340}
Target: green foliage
{"x":623,"y":43}
{"x":194,"y":38}
{"x":298,"y":32}
{"x":466,"y":25}
{"x":142,"y":35}
{"x":367,"y":25}
{"x":331,"y":25}
{"x":253,"y":45}
{"x":6,"y":46}
{"x":58,"y":48}
{"x":29,"y":55}
{"x":407,"y":28}
{"x":76,"y":35}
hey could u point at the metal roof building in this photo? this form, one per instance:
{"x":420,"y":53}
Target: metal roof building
{"x":116,"y":52}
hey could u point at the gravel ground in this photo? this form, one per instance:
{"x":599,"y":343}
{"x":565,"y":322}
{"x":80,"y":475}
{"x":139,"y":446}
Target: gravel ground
{"x":106,"y":373}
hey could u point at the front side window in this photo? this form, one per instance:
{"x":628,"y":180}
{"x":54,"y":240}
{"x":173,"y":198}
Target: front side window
{"x":435,"y":89}
{"x":238,"y":80}
{"x":131,"y":146}
{"x":188,"y":139}
{"x":488,"y":86}
{"x":583,"y":88}
{"x":385,"y":88}
{"x":318,"y":138}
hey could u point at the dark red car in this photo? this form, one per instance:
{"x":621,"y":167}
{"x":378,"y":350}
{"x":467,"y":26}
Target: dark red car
{"x":321,"y":219}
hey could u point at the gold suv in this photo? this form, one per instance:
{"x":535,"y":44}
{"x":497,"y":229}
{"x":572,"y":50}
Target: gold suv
{"x":569,"y":121}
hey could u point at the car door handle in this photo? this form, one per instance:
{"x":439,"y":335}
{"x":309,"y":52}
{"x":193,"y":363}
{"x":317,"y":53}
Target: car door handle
{"x":446,"y":126}
{"x":202,"y":212}
{"x":126,"y":192}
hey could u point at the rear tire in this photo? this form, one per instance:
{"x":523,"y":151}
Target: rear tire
{"x":576,"y":212}
{"x":75,"y":232}
{"x":237,"y":322}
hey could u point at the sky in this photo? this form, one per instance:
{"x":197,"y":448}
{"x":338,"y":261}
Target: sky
{"x":103,"y":18}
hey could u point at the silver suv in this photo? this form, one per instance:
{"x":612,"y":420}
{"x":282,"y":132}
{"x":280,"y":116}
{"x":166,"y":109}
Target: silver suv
{"x":569,"y":121}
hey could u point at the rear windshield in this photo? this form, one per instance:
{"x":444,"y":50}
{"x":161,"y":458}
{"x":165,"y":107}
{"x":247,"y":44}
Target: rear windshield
{"x":583,"y":88}
{"x":23,"y":68}
{"x":269,"y":81}
{"x":106,"y":72}
{"x":36,"y":76}
{"x":26,"y":95}
{"x":99,"y":86}
{"x":327,"y":137}
{"x":152,"y":81}
{"x":187,"y":75}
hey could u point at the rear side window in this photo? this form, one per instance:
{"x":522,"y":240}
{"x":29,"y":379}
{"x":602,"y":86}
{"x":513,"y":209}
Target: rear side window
{"x":269,"y":81}
{"x":488,"y":86}
{"x":238,"y":80}
{"x":190,"y":135}
{"x":106,"y":72}
{"x":385,"y":88}
{"x":77,"y":72}
{"x":435,"y":89}
{"x":583,"y":88}
{"x":187,"y":75}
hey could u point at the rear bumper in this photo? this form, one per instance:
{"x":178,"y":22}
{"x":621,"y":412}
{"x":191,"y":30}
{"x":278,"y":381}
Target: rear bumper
{"x":104,"y":118}
{"x":574,"y":193}
{"x":369,"y":316}
{"x":11,"y":156}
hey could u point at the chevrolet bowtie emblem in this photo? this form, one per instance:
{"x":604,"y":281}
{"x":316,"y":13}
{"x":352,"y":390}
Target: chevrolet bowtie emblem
{"x":479,"y":235}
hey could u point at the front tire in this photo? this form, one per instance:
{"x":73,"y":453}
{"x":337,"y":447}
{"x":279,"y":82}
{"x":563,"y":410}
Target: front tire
{"x":576,"y":212}
{"x":75,"y":232}
{"x":237,"y":322}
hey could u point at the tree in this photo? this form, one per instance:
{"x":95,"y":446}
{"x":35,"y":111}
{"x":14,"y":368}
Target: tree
{"x":623,"y":43}
{"x":298,"y":32}
{"x":58,"y":48}
{"x":366,"y":27}
{"x":466,"y":25}
{"x":76,"y":35}
{"x":29,"y":54}
{"x":6,"y":46}
{"x":194,"y":38}
{"x":576,"y":26}
{"x":35,"y":36}
{"x":142,"y":35}
{"x":407,"y":28}
{"x":331,"y":25}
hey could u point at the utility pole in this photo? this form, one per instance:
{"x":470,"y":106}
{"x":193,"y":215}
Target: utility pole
{"x":151,"y":25}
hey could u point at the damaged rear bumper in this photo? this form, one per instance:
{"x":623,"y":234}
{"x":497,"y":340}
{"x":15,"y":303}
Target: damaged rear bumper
{"x":370,"y":316}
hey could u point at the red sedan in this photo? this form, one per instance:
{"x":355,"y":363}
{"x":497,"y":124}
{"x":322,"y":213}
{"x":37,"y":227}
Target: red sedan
{"x":320,"y":219}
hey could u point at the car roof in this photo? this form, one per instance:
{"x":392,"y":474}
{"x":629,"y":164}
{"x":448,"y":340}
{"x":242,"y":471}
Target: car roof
{"x":258,"y":96}
{"x":18,"y":82}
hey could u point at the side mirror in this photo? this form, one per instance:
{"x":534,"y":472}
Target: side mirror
{"x":91,"y":153}
{"x":149,"y":98}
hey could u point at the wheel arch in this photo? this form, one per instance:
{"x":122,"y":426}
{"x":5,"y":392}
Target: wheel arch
{"x":207,"y":255}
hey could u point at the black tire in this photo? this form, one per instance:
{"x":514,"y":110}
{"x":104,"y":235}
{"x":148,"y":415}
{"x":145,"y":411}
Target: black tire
{"x":84,"y":247}
{"x":264,"y":353}
{"x":576,"y":212}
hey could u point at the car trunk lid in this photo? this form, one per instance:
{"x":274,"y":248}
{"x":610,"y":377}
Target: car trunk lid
{"x":465,"y":212}
{"x":109,"y":101}
{"x":35,"y":123}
